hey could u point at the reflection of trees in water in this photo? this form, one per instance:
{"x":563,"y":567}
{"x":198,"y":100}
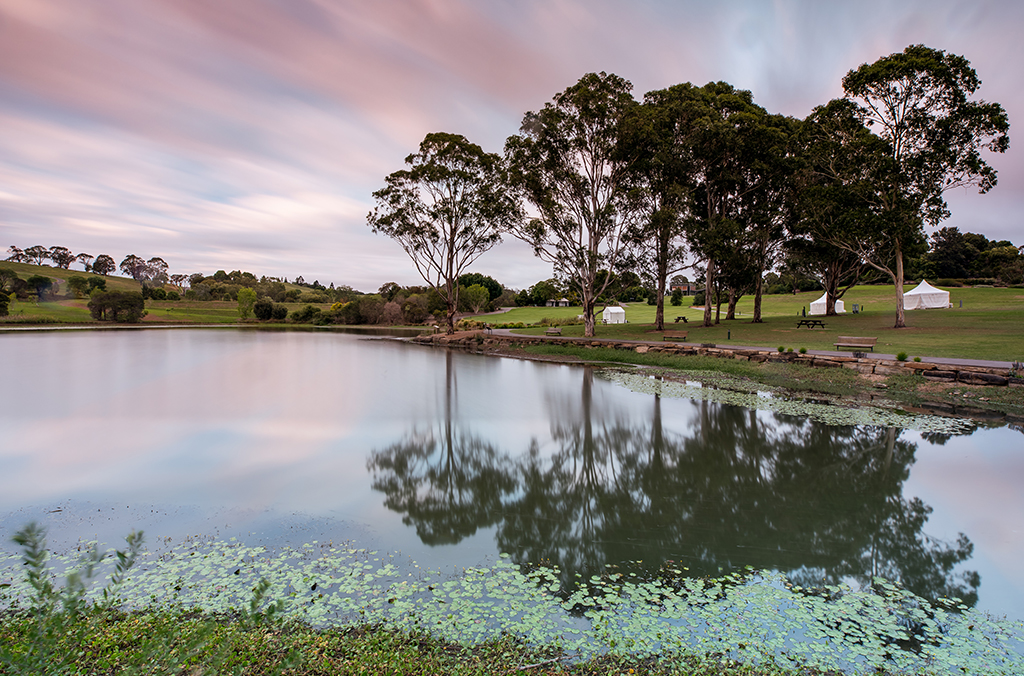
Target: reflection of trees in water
{"x":446,"y":481}
{"x":743,"y":488}
{"x":559,"y":514}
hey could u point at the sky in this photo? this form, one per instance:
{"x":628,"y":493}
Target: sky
{"x":250,"y":134}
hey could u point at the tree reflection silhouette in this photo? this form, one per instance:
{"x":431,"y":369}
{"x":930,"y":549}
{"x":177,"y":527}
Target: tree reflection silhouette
{"x":739,"y":488}
{"x":445,"y":481}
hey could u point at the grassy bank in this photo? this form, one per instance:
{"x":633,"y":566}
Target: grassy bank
{"x":189,"y":643}
{"x":987,"y":326}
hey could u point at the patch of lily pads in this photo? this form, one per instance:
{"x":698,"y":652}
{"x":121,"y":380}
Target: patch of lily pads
{"x":751,"y":395}
{"x":754,"y":616}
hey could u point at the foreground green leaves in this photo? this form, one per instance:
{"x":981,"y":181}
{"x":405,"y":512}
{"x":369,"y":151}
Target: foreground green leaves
{"x":754,"y":619}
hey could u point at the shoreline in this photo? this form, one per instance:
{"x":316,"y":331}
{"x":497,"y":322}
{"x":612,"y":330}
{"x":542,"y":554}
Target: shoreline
{"x":987,"y":394}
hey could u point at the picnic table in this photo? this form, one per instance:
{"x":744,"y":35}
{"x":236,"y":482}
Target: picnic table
{"x":683,"y":319}
{"x":811,"y":323}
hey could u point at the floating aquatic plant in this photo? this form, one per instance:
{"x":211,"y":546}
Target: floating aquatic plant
{"x":752,"y":616}
{"x":740,"y":394}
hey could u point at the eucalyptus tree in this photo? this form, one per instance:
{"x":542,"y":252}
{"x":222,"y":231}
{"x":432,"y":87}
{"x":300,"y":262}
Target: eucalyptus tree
{"x":446,"y":209}
{"x":37,"y":254}
{"x":103,"y":265}
{"x":716,"y":130}
{"x":84,"y":259}
{"x":17,"y":254}
{"x":134,"y":266}
{"x":766,"y":212}
{"x":62,"y":256}
{"x":919,"y":102}
{"x":567,"y":163}
{"x":156,"y":270}
{"x":843,"y":166}
{"x":658,"y":189}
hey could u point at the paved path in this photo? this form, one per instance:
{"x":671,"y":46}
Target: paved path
{"x":730,"y":346}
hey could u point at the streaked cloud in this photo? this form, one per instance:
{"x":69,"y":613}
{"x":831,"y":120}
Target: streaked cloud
{"x":250,"y":134}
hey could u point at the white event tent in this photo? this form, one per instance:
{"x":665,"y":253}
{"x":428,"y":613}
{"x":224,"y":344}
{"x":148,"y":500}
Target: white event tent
{"x":818,"y":306}
{"x":925,"y":296}
{"x":613,"y":315}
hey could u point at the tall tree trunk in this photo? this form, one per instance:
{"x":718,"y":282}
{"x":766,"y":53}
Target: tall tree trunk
{"x":831,"y":286}
{"x":659,"y":314}
{"x":758,"y":289}
{"x":450,"y":316}
{"x":709,"y":279}
{"x":900,"y":314}
{"x":589,"y":321}
{"x":731,"y":311}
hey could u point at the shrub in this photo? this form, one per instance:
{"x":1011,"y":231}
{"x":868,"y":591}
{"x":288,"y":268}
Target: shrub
{"x":173,"y":295}
{"x":263,"y":309}
{"x":803,"y":350}
{"x":305,"y":315}
{"x":468,"y":325}
{"x":280,"y":312}
{"x":917,"y":359}
{"x":901,"y":356}
{"x":782,"y":348}
{"x":789,"y":349}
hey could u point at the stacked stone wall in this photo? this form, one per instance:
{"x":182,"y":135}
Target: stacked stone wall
{"x":967,"y":375}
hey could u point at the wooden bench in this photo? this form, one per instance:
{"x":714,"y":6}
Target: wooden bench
{"x":553,"y":331}
{"x":856,"y":342}
{"x":681,"y":319}
{"x":811,"y":323}
{"x":675,"y":335}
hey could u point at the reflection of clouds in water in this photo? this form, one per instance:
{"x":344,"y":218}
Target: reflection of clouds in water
{"x":973,"y":483}
{"x":286,"y":421}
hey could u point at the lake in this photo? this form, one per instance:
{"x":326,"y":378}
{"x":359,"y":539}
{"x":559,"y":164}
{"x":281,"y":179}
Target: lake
{"x":450,"y":459}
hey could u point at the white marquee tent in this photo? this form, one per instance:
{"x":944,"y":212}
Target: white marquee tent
{"x":613,"y":315}
{"x":925,"y":296}
{"x":818,"y":306}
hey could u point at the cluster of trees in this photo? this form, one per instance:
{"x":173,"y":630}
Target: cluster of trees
{"x":397,"y":304}
{"x":225,"y":286}
{"x":597,"y":182}
{"x":117,"y":306}
{"x":62,"y":257}
{"x":964,"y":256}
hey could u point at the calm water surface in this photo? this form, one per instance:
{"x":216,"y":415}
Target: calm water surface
{"x":451,"y":459}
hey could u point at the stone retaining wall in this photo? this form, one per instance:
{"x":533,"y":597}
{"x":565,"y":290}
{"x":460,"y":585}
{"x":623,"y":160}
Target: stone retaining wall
{"x":968,"y":375}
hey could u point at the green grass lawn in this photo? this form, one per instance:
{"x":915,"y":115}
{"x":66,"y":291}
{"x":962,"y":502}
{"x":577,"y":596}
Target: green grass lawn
{"x":989,"y":325}
{"x":984,"y":323}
